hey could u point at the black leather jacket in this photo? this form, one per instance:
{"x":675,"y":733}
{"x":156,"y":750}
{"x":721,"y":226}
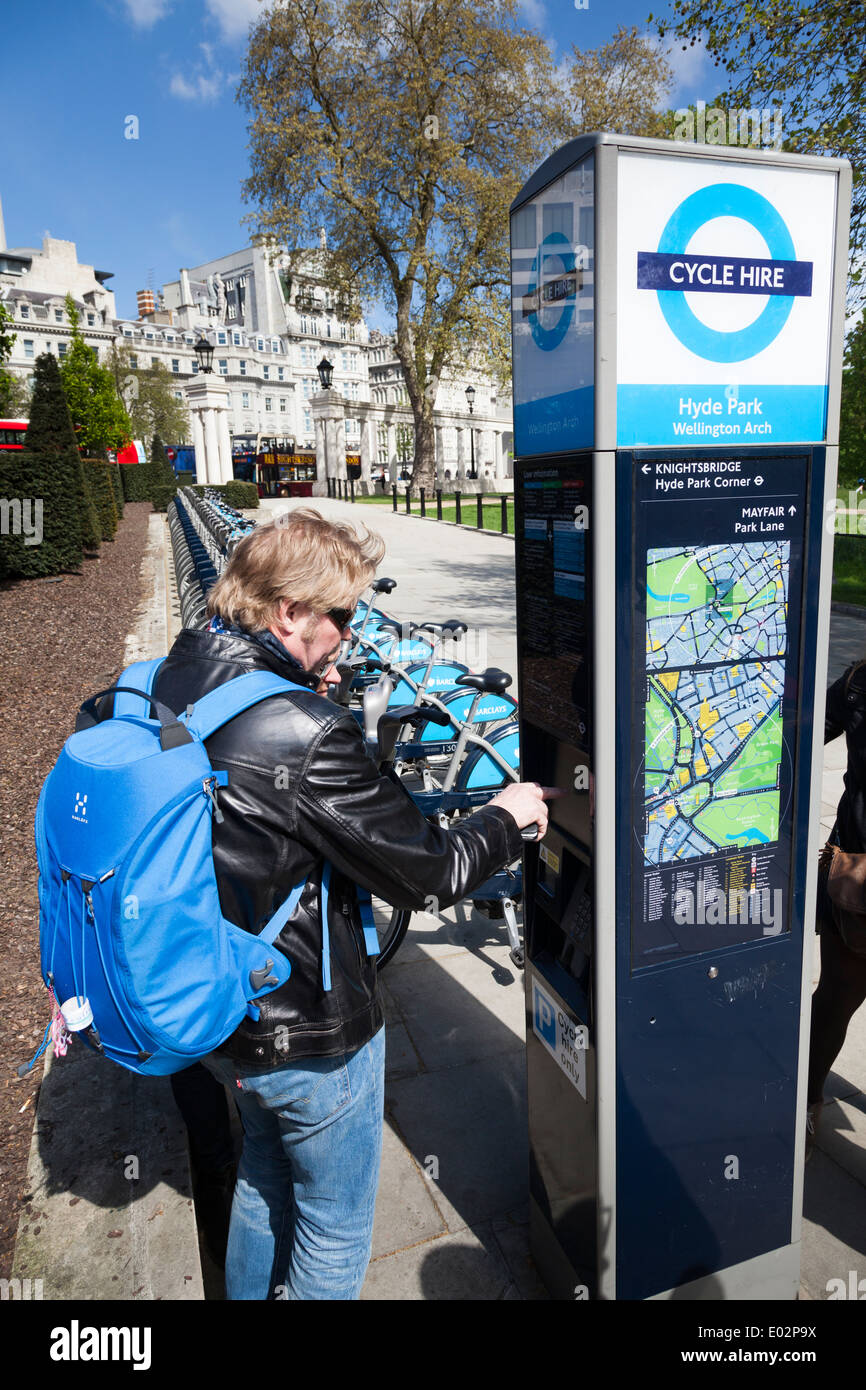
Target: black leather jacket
{"x":302,"y":791}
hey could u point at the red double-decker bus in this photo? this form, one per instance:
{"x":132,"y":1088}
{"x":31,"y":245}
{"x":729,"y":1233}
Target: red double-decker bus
{"x":12,"y":433}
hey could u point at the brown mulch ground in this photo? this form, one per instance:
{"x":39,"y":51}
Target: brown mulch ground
{"x":61,"y":641}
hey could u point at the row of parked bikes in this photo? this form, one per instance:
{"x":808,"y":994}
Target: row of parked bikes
{"x":447,"y":734}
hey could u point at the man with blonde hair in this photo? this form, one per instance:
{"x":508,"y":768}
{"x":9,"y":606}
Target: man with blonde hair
{"x":304,"y":803}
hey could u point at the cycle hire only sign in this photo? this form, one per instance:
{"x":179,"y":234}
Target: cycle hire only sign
{"x":724,"y":277}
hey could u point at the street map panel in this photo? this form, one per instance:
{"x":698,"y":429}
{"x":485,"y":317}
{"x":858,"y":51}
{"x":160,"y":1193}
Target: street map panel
{"x":715,"y":649}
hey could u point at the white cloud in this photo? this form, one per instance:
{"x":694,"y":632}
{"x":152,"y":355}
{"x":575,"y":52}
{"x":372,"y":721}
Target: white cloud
{"x":145,"y":13}
{"x":535,"y":12}
{"x":695,"y":74}
{"x":206,"y":83}
{"x":235,"y":16}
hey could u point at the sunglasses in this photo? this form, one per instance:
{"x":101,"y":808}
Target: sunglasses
{"x":341,"y":617}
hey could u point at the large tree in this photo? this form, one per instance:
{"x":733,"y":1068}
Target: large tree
{"x":621,"y":86}
{"x":806,"y":56}
{"x":96,"y":409}
{"x":148,"y":395}
{"x":405,"y":128}
{"x":852,"y":421}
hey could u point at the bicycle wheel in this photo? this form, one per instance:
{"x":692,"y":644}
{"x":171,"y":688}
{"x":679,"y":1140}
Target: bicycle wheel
{"x":392,"y":923}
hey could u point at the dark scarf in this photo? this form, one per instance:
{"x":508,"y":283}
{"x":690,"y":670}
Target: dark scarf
{"x":270,"y":643}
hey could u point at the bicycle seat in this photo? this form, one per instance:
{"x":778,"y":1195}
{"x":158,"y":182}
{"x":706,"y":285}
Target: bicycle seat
{"x":384,"y":586}
{"x":493,"y":681}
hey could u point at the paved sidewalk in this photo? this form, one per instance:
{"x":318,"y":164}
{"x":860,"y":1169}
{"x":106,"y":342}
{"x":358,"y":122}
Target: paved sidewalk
{"x":455,"y":1096}
{"x":451,"y":1218}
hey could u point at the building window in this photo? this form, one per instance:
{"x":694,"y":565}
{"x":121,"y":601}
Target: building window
{"x":269,"y":405}
{"x":175,"y":364}
{"x":133,"y":361}
{"x":24,"y":311}
{"x":61,"y":349}
{"x":282,"y":405}
{"x":221,"y":339}
{"x":242,"y":282}
{"x":154,"y":361}
{"x":195,"y":368}
{"x":231,"y":311}
{"x":148,"y":335}
{"x":228,"y":285}
{"x":58,"y":315}
{"x":236,"y":339}
{"x":28,"y":347}
{"x":281,"y":373}
{"x":266,"y":372}
{"x":243,"y":366}
{"x":245,"y":400}
{"x":91,"y":319}
{"x":223,"y":364}
{"x":261,"y":344}
{"x":178,"y":395}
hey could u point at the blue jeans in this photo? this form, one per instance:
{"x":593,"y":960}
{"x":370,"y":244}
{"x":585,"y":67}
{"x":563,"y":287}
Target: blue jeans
{"x":302,"y":1216}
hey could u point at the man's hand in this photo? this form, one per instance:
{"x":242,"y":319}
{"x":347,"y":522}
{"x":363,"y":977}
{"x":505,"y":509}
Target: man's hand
{"x":525,"y":802}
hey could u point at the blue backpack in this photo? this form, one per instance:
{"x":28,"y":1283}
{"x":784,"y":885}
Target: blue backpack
{"x":133,"y":943}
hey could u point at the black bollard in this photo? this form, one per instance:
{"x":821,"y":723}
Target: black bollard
{"x":504,"y":505}
{"x":423,"y":502}
{"x":479,"y":511}
{"x":394,"y":495}
{"x":438,"y":504}
{"x":408,"y":494}
{"x":352,"y":488}
{"x":457,"y":501}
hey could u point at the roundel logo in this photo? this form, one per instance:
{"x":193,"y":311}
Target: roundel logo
{"x":552,"y":291}
{"x":780,"y":278}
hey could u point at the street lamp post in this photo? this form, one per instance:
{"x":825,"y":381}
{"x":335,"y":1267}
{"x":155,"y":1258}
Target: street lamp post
{"x":326,"y":373}
{"x":470,"y":397}
{"x":204,"y":352}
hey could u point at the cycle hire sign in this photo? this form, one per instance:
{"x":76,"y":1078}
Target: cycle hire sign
{"x":552,"y":308}
{"x":724,"y":277}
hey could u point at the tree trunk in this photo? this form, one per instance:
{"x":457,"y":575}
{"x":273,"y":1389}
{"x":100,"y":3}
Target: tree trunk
{"x":424,"y":473}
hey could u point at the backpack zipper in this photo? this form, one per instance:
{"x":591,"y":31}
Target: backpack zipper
{"x":209,"y":787}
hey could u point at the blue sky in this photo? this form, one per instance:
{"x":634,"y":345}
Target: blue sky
{"x":75,"y":71}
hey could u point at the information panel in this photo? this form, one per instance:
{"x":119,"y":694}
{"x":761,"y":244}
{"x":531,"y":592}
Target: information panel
{"x":717,"y":580}
{"x":553,"y":599}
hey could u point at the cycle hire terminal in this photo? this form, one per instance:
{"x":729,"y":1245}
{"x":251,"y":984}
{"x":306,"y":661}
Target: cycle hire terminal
{"x":678,"y":320}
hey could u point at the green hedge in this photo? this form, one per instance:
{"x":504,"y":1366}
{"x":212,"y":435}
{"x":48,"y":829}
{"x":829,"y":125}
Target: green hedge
{"x":185,"y":478}
{"x":238,"y":494}
{"x":162,"y":495}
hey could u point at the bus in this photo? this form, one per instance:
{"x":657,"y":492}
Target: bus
{"x":281,"y":469}
{"x":12,"y":434}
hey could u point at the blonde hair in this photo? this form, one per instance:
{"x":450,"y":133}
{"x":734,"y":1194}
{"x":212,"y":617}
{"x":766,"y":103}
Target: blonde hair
{"x":301,"y":557}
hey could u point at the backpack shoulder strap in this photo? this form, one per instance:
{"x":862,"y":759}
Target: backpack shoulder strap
{"x":233,"y":697}
{"x":142,"y":675}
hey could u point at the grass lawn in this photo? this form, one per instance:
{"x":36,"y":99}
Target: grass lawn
{"x":849,"y":570}
{"x":492,"y":510}
{"x":849,"y":556}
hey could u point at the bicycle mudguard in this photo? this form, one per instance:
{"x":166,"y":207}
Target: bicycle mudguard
{"x":479,"y":770}
{"x":443,"y":676}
